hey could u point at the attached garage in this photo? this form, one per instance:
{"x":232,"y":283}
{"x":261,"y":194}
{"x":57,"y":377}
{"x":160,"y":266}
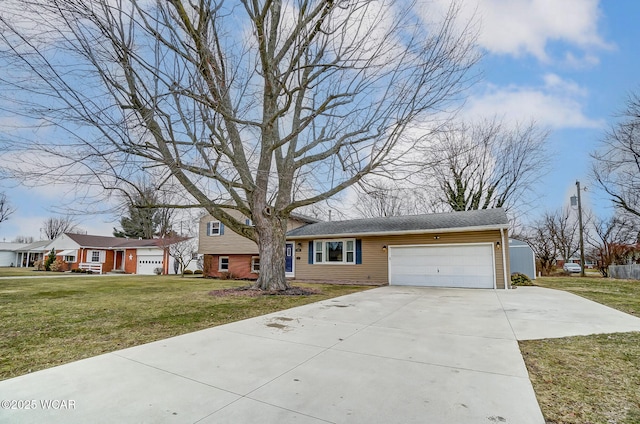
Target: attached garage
{"x":148,"y":261}
{"x":457,"y":265}
{"x":456,"y":249}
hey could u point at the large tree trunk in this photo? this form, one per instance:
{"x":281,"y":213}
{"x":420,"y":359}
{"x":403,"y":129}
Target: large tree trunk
{"x":271,"y":245}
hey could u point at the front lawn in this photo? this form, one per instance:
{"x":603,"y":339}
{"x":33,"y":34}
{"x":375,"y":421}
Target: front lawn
{"x":10,"y":271}
{"x":51,"y":321}
{"x":623,"y":295}
{"x":589,"y":379}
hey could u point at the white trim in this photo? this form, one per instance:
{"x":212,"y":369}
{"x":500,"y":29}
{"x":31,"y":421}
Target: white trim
{"x":210,"y":233}
{"x":68,"y":252}
{"x":489,"y":243}
{"x":220,"y":258}
{"x":504,"y":247}
{"x":344,"y":242}
{"x":253,"y":259}
{"x":406,"y":232}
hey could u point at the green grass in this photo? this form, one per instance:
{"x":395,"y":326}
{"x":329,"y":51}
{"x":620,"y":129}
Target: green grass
{"x":589,"y":379}
{"x":623,"y":295}
{"x":6,"y":271}
{"x":51,"y":321}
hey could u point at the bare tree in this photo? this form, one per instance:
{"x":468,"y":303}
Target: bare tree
{"x":540,"y":239}
{"x":616,"y":164}
{"x":24,"y":239}
{"x":564,"y":231}
{"x":6,"y":210}
{"x":183,"y":251}
{"x":53,"y":227}
{"x":487,"y":164}
{"x":262,"y":107}
{"x":614,"y":240}
{"x":383,"y":199}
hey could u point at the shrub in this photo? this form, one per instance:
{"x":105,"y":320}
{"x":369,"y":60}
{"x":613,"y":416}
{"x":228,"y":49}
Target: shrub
{"x":519,"y":279}
{"x":187,"y":272}
{"x":39,"y":265}
{"x":57,"y":266}
{"x":198,"y":272}
{"x":157,"y":271}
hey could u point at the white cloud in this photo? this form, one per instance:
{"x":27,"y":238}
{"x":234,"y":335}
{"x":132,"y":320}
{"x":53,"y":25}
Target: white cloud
{"x":557,"y":103}
{"x":528,"y":27}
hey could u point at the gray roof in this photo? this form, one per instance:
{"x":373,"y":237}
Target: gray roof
{"x":86,"y":240}
{"x":10,"y":247}
{"x":36,"y":246}
{"x":452,"y":221}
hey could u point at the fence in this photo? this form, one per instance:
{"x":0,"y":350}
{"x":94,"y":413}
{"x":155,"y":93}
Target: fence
{"x":91,"y":266}
{"x":627,"y":272}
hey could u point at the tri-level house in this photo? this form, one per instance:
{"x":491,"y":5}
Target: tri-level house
{"x":456,"y":249}
{"x":230,"y":255}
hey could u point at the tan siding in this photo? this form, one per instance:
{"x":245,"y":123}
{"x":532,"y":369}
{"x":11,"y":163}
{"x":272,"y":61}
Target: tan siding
{"x":374,"y":265}
{"x":230,"y":243}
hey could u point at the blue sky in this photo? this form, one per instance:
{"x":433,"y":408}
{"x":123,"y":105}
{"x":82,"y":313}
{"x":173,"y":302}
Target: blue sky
{"x":568,"y":64}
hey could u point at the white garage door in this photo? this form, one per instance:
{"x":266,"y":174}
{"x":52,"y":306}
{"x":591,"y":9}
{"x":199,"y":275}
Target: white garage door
{"x":147,"y":264}
{"x":464,"y":265}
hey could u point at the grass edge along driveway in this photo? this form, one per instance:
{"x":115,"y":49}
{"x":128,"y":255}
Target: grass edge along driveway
{"x":47,"y":322}
{"x":589,"y":379}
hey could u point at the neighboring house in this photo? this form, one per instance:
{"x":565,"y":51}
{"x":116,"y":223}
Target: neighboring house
{"x":457,"y":249}
{"x":106,"y":254}
{"x":8,"y":253}
{"x":522,"y":259}
{"x":26,"y":255}
{"x":228,"y":254}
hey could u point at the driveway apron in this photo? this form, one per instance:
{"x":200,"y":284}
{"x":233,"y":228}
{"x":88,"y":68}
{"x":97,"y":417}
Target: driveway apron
{"x":386,"y":355}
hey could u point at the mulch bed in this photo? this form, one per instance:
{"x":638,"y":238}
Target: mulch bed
{"x":248,"y":291}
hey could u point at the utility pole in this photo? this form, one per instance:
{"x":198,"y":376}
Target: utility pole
{"x":581,"y":230}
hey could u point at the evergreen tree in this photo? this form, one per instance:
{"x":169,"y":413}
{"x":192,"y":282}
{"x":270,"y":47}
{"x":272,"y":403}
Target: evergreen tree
{"x":145,"y":218}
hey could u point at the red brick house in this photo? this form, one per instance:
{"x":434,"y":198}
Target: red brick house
{"x":105,"y":254}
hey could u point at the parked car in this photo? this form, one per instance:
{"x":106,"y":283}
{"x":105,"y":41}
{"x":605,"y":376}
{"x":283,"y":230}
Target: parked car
{"x":571,"y":267}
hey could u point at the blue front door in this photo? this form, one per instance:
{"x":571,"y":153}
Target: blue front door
{"x":288,"y":267}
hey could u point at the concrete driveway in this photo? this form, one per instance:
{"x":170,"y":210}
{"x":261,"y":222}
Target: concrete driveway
{"x":387,"y":355}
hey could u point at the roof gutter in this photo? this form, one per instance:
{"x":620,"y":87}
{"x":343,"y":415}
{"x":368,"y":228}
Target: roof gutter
{"x":500,"y":227}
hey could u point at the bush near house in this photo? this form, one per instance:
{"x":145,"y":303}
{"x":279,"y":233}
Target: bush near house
{"x":58,"y":266}
{"x":519,"y":279}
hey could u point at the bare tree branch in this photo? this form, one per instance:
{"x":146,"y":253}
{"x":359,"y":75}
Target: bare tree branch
{"x":262,"y":106}
{"x":616,"y":164}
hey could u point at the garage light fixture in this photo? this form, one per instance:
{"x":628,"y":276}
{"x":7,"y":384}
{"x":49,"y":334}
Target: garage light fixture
{"x":498,"y":245}
{"x":436,"y":237}
{"x":384,"y":248}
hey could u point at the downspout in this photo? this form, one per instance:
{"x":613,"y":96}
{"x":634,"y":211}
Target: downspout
{"x":505,"y":246}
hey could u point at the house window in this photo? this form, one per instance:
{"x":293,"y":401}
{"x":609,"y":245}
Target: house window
{"x":96,"y":256}
{"x":319,"y":251}
{"x":248,"y":222}
{"x":335,"y":251}
{"x":255,"y":264}
{"x":223,"y":264}
{"x":69,"y":259}
{"x":215,"y":228}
